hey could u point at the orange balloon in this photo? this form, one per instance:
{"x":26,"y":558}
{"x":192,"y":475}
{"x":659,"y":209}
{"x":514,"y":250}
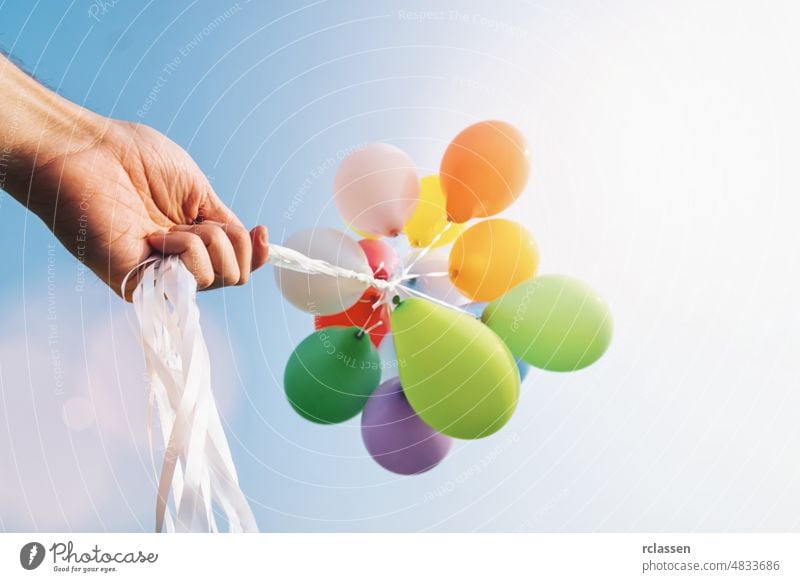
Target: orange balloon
{"x":491,"y":257}
{"x":484,"y":169}
{"x":362,"y":315}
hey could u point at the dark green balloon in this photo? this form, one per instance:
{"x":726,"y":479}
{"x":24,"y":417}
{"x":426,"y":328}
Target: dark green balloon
{"x":552,"y":322}
{"x":331,"y":373}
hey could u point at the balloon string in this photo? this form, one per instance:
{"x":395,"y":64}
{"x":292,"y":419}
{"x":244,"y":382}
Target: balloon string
{"x":127,"y":276}
{"x":422,"y":295}
{"x":412,"y":276}
{"x":367,"y":330}
{"x":286,"y":258}
{"x":375,"y":306}
{"x":424,"y":251}
{"x":198,"y":468}
{"x":386,"y":298}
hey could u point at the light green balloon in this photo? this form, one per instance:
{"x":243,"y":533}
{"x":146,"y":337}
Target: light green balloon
{"x":456,"y":373}
{"x":552,"y":322}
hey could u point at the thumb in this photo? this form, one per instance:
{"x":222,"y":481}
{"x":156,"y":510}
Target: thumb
{"x":260,"y":238}
{"x":212,"y":208}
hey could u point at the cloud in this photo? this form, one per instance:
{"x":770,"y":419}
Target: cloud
{"x":73,"y":439}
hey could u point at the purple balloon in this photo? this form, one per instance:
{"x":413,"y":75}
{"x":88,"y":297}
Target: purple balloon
{"x":396,"y":437}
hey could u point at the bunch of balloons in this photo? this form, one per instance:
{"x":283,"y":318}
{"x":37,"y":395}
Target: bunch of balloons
{"x":431,"y":346}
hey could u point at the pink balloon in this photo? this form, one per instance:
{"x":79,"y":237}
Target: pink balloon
{"x":382,"y":258}
{"x":377,"y":189}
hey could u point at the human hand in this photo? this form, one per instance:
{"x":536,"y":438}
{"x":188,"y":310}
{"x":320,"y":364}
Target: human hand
{"x":134,"y":192}
{"x":115,"y":192}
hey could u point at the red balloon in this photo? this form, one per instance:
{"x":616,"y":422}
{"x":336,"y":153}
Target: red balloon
{"x":362,"y":315}
{"x":381,"y":258}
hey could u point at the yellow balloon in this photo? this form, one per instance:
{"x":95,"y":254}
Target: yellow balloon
{"x":492,"y":257}
{"x":430,"y":217}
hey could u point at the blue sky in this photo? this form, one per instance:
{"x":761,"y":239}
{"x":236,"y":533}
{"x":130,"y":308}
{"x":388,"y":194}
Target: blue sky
{"x":662,"y":142}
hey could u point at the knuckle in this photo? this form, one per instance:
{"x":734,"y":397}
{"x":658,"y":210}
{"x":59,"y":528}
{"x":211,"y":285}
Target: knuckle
{"x":204,"y":279}
{"x":197,"y":246}
{"x":216,"y":237}
{"x":238,"y":235}
{"x":232,"y":275}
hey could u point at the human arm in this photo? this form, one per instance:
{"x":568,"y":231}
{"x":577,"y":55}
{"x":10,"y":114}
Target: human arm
{"x":115,"y":192}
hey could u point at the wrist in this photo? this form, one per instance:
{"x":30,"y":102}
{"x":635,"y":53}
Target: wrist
{"x":38,"y":126}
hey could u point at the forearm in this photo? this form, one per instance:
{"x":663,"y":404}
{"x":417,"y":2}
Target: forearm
{"x":37,"y":126}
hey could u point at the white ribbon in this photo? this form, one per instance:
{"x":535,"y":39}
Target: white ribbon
{"x":286,"y":258}
{"x":198,"y":469}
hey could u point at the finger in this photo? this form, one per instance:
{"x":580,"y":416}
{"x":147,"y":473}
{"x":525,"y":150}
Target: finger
{"x":191,"y":250}
{"x":220,"y":250}
{"x":242,"y":247}
{"x":260,"y":240}
{"x":214,"y":210}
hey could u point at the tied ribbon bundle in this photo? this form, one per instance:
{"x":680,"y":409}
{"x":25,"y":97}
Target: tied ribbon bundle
{"x":197,"y":467}
{"x":292,"y":260}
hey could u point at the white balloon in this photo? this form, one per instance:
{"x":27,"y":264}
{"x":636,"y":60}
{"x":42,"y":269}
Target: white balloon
{"x":434,"y":279}
{"x":324,"y":294}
